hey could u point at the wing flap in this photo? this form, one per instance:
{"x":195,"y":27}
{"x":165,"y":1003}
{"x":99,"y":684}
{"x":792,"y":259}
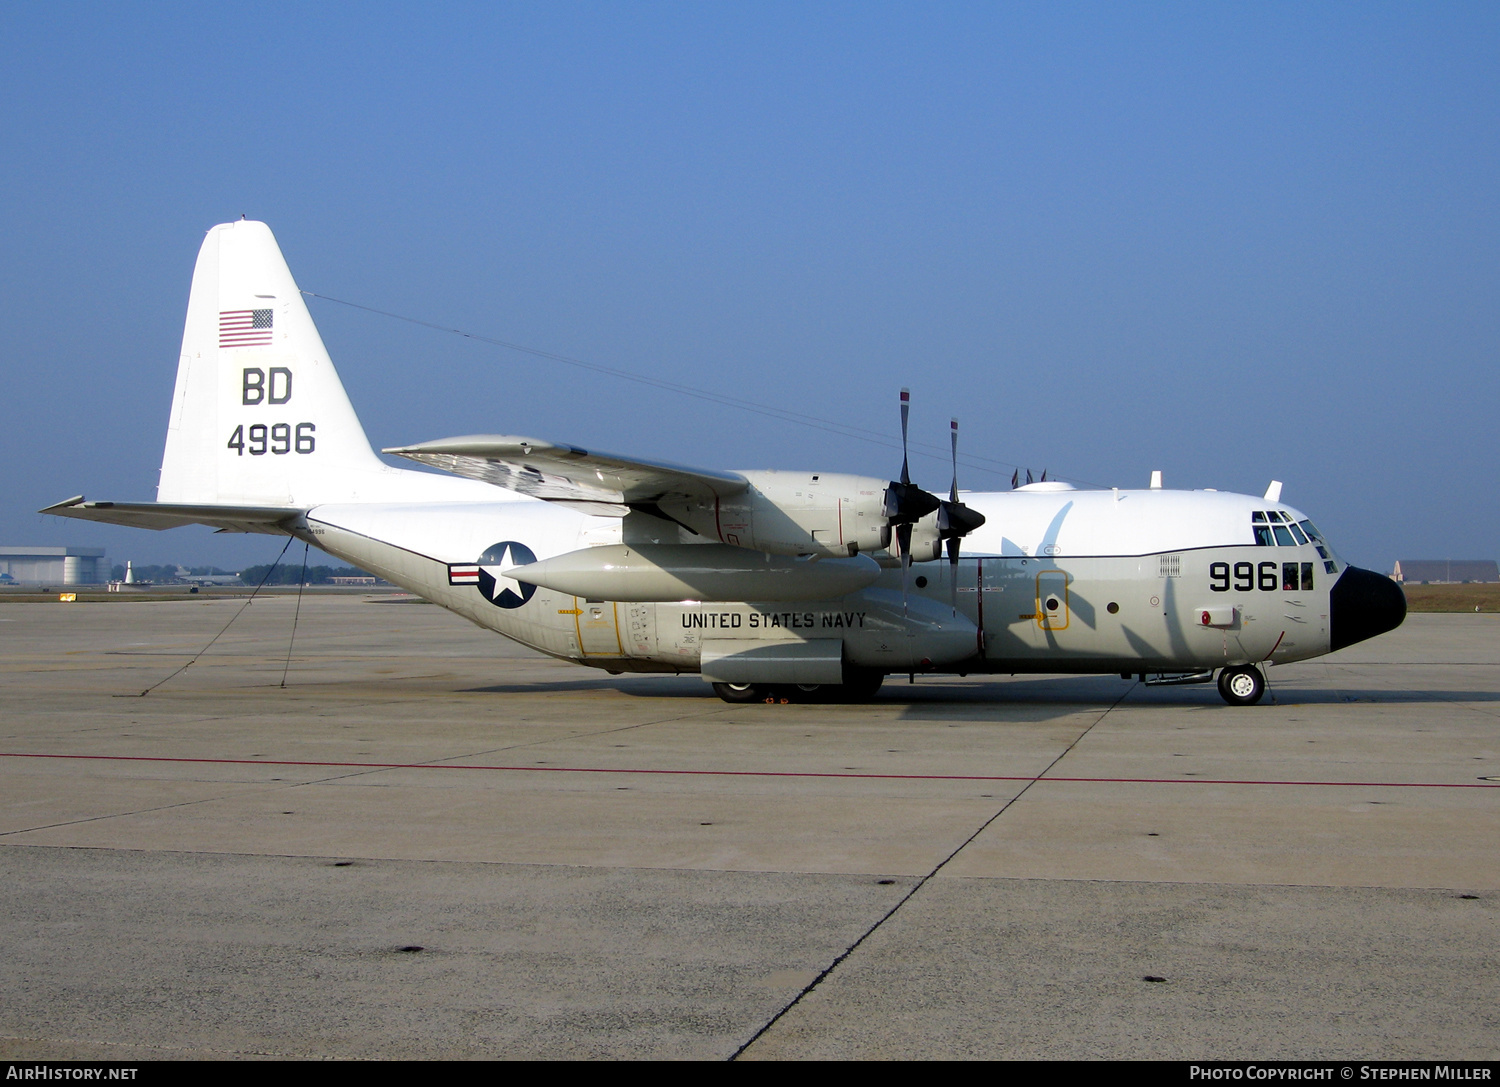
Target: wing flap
{"x":276,"y":520}
{"x":568,"y":474}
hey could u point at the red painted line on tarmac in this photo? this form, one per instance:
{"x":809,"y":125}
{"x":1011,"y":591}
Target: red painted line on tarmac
{"x":751,"y":773}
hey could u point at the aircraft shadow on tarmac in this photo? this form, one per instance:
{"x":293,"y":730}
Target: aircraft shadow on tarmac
{"x":1048,"y":690}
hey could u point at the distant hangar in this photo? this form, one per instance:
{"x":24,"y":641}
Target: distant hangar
{"x":1427,"y":571}
{"x":53,"y":566}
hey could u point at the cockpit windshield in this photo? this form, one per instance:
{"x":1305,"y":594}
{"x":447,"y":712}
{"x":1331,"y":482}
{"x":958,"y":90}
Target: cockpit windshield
{"x":1277,"y":528}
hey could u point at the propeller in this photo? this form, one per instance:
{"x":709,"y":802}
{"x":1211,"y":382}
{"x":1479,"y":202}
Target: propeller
{"x":955,"y":521}
{"x":906,"y":503}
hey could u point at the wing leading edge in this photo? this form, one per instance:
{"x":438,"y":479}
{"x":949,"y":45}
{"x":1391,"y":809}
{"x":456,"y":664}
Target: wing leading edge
{"x":598,"y":482}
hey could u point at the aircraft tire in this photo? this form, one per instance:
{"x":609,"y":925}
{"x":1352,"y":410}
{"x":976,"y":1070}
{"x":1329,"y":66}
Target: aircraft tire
{"x":860,"y":685}
{"x":808,"y":692}
{"x":740,"y":692}
{"x":1242,"y":686}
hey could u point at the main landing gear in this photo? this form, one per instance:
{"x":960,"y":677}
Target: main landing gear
{"x":1242,"y":685}
{"x":741,"y":692}
{"x":859,"y":685}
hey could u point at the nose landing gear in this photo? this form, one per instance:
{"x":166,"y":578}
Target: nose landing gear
{"x":1242,"y":685}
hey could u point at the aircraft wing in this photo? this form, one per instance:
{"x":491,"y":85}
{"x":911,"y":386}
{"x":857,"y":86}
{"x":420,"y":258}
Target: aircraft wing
{"x":159,"y":515}
{"x":568,"y":475}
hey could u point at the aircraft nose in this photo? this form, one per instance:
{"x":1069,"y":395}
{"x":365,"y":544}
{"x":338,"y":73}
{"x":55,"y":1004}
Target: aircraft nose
{"x":1362,"y":605}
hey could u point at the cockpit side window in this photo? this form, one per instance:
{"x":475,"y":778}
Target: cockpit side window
{"x":1262,"y":536}
{"x":1330,"y":565}
{"x":1283,"y":537}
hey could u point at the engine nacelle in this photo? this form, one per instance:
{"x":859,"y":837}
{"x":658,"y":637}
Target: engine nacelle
{"x":795,"y":513}
{"x":926,"y":540}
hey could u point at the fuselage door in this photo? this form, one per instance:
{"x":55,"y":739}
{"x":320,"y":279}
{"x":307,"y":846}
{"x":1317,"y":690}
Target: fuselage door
{"x":598,"y":628}
{"x":1052,"y":611}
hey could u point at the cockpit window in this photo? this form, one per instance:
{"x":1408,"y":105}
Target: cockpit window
{"x":1330,"y":562}
{"x":1276,"y":528}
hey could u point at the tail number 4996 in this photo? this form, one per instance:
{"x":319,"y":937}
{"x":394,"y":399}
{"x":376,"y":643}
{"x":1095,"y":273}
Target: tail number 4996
{"x":258,"y":439}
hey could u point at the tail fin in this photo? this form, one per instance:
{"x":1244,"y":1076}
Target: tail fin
{"x":259,"y":416}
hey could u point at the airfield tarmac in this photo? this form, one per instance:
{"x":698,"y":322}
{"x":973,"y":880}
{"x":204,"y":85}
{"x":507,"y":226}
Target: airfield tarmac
{"x":597,"y":866}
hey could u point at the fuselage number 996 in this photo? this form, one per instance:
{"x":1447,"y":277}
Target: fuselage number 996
{"x":1268,"y":577}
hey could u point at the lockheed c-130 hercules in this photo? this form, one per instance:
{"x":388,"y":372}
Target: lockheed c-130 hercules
{"x":771,"y":584}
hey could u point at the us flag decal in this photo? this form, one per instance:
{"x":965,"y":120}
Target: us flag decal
{"x":463,"y":573}
{"x":245,"y":327}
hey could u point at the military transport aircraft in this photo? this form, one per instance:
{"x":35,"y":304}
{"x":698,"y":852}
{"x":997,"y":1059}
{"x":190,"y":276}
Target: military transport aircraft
{"x":772,"y":584}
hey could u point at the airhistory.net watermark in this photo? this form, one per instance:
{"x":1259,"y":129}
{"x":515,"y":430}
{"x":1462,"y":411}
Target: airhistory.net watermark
{"x":68,"y":1071}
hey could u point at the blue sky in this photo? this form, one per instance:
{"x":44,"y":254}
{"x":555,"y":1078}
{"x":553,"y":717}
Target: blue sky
{"x":1233,"y":242}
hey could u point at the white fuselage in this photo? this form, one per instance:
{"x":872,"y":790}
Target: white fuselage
{"x":1057,"y":580}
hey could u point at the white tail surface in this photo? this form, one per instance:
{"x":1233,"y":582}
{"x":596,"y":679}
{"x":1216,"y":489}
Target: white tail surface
{"x":259,"y":416}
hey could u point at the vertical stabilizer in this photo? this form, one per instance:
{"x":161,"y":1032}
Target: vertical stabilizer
{"x":259,"y":416}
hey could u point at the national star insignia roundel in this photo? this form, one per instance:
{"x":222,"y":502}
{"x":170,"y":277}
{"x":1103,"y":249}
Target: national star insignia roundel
{"x":501,"y":591}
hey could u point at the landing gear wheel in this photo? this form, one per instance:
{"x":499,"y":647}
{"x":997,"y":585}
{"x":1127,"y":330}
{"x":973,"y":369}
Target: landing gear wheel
{"x":1242,"y":686}
{"x":740,"y":692}
{"x":860,"y":685}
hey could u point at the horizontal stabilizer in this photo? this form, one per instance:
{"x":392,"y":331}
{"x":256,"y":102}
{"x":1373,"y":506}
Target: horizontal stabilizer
{"x":275,"y":520}
{"x":565,"y":473}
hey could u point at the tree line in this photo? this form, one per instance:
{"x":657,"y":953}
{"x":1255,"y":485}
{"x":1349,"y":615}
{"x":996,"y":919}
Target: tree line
{"x":290,"y":573}
{"x":285,"y":574}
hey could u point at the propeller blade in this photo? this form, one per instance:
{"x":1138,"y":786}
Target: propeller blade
{"x":953,"y":432}
{"x":953,"y":545}
{"x":903,"y":538}
{"x":905,"y":412}
{"x":956,"y":520}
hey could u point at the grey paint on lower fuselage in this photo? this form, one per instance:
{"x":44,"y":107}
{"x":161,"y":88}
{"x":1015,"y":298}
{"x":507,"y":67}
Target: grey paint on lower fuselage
{"x":1002,"y":625}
